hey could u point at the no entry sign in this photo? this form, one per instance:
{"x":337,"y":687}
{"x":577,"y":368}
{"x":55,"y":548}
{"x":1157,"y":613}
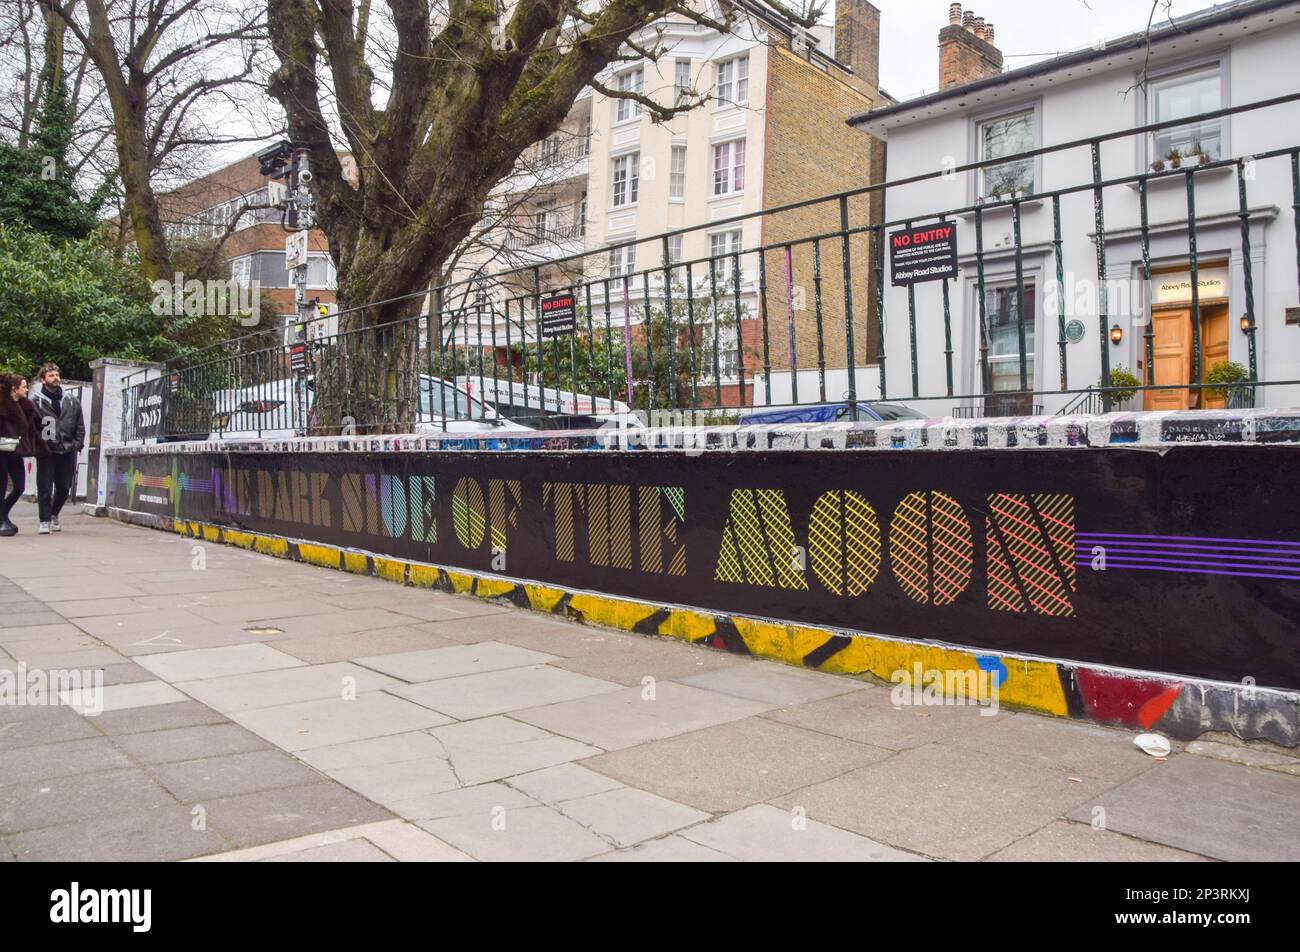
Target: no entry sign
{"x":927,"y":253}
{"x":559,"y":315}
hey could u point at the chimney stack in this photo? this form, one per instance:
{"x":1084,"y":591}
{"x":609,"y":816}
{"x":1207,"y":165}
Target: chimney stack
{"x":966,"y":50}
{"x":857,"y":39}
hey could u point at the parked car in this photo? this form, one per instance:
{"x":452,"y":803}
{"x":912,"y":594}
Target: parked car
{"x":563,"y":409}
{"x":280,"y":409}
{"x":829,"y":413}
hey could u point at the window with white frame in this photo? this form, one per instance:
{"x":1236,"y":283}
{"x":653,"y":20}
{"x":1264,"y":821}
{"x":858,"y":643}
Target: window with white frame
{"x":681,"y":81}
{"x":625,"y":180}
{"x":732,"y":81}
{"x":582,"y":215}
{"x":241,"y":270}
{"x":628,"y":81}
{"x":729,"y":167}
{"x":622,"y":260}
{"x":1006,"y":137}
{"x":541,"y":223}
{"x":677,"y":174}
{"x":674,"y":249}
{"x":320,"y":272}
{"x":723,"y":245}
{"x":1180,"y":96}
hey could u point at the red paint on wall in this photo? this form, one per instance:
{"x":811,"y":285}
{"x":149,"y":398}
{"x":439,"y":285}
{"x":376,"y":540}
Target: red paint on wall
{"x":1138,"y":702}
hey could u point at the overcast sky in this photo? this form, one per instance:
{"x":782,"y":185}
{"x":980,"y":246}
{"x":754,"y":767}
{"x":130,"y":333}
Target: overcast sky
{"x":1026,"y":30}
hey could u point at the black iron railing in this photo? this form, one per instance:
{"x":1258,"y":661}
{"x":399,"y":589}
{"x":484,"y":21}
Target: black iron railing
{"x":791,"y":300}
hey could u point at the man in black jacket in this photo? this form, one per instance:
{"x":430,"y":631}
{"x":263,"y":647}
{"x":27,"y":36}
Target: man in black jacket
{"x":64,"y":433}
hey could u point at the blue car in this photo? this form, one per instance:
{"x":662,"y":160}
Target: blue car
{"x":829,"y":413}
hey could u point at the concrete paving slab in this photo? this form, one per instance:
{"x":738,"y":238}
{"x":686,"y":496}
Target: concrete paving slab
{"x":159,"y":833}
{"x":28,"y":619}
{"x":395,"y":748}
{"x":950,"y":802}
{"x":216,"y":662}
{"x":188,"y":743}
{"x":95,"y":607}
{"x":92,"y":701}
{"x":438,"y":663}
{"x":1064,"y":842}
{"x":627,"y":717}
{"x":181,"y":639}
{"x":139,"y":625}
{"x":764,"y":833}
{"x":61,"y":629}
{"x":480,"y":802}
{"x":324,"y":723}
{"x":27,"y":765}
{"x":269,"y":815}
{"x":669,"y":849}
{"x":527,"y":834}
{"x":56,"y":801}
{"x":1247,"y":756}
{"x":127,"y":672}
{"x":492,"y":748}
{"x":772,"y":683}
{"x":497,"y":692}
{"x":1209,"y":807}
{"x":159,"y":718}
{"x":348,"y":647}
{"x":35,"y":726}
{"x":511,"y":626}
{"x":349,"y":851}
{"x":628,"y":816}
{"x":64,"y":659}
{"x":242,"y":692}
{"x":229,"y":775}
{"x":339,"y":621}
{"x":869,"y":717}
{"x":628,"y":659}
{"x":403,"y":780}
{"x":733,"y":765}
{"x":398,"y":839}
{"x":552,"y":785}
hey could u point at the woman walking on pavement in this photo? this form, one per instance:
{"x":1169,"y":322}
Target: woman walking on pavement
{"x":19,"y":437}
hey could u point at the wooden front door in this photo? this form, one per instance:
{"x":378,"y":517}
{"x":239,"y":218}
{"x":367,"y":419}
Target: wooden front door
{"x":1173,"y":359}
{"x":1214,"y":347}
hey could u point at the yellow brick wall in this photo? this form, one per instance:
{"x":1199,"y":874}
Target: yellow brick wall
{"x":812,"y":151}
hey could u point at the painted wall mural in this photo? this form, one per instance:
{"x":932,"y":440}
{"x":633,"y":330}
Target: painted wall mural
{"x":1185,"y":562}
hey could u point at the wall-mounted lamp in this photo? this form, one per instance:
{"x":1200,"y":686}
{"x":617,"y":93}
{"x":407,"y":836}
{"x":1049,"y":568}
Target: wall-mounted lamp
{"x":1116,"y":333}
{"x":1247,"y":325}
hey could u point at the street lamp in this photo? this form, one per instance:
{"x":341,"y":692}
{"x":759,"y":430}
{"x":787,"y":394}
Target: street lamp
{"x":1116,"y":334}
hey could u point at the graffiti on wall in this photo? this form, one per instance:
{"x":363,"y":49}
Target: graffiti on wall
{"x":1057,"y":553}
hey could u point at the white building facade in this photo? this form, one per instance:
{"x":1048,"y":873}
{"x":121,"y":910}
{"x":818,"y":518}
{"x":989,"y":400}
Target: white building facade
{"x":1232,"y":55}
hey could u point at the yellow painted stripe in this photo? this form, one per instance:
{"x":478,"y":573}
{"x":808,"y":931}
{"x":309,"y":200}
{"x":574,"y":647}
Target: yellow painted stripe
{"x":242,"y":539}
{"x":422,"y":576}
{"x":355,"y":562}
{"x":688,"y":625}
{"x":391,"y":570}
{"x":493,"y":587}
{"x":542,"y":598}
{"x":460,"y":582}
{"x":271,"y":545}
{"x":614,"y":612}
{"x":325,"y":556}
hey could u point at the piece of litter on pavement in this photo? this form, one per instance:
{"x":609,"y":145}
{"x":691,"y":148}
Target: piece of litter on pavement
{"x":1152,"y":744}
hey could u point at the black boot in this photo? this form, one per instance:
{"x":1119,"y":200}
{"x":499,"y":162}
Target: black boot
{"x":7,"y":528}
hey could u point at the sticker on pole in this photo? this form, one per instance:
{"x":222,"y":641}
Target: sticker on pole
{"x":295,"y":250}
{"x":559,"y":315}
{"x":927,"y":253}
{"x":298,"y":358}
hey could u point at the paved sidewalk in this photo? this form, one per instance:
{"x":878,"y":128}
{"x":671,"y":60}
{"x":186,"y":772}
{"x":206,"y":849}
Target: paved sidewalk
{"x":256,"y":709}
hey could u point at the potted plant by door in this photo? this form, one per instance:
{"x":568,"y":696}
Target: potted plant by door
{"x":1225,"y":373}
{"x":1174,"y":157}
{"x":1123,"y":378}
{"x":1200,"y":154}
{"x":1158,"y":165}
